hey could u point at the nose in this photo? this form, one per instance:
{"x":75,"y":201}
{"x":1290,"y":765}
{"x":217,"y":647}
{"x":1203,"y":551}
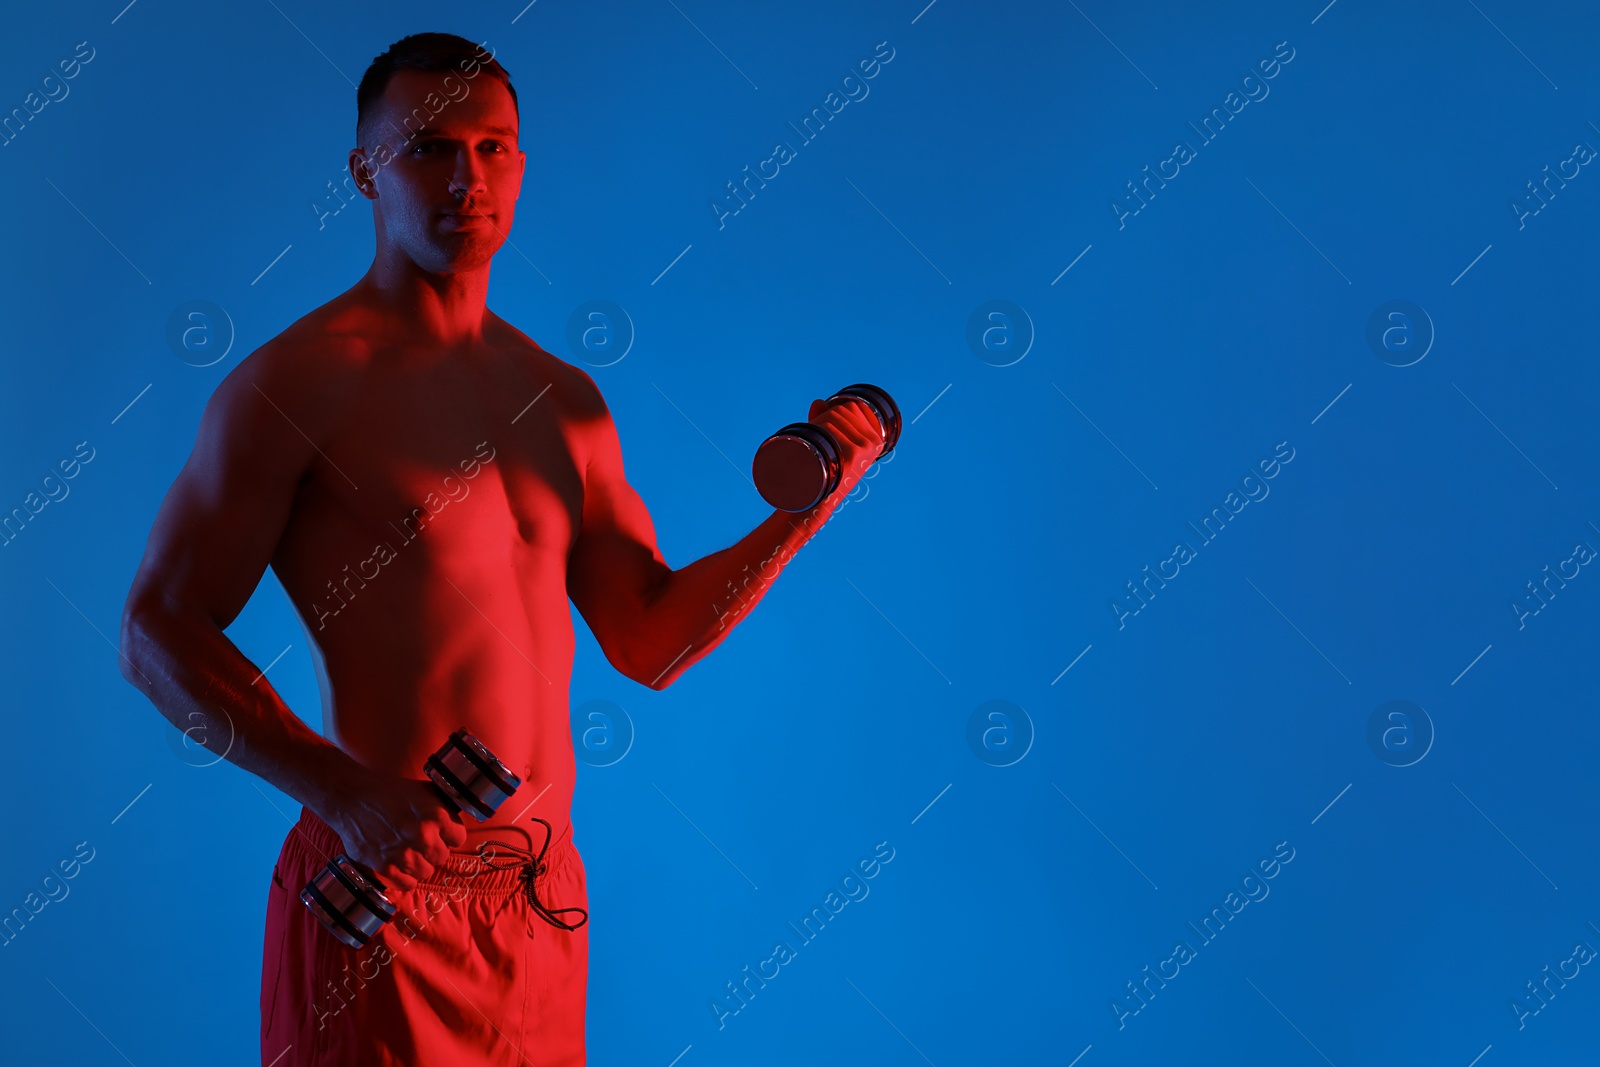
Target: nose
{"x":467,"y":179}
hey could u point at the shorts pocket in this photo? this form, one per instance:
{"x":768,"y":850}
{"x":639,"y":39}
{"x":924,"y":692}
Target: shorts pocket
{"x":277,"y":933}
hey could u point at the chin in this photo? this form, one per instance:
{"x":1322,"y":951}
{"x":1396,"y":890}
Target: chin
{"x":467,"y":256}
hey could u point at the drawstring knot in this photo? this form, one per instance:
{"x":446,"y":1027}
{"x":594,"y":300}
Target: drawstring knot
{"x":533,"y":866}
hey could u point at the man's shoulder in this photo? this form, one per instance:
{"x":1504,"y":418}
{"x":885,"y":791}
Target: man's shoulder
{"x":311,"y":363}
{"x":578,"y":390}
{"x":336,"y":335}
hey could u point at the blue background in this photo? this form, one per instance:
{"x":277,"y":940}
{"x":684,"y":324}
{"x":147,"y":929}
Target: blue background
{"x":1177,"y":752}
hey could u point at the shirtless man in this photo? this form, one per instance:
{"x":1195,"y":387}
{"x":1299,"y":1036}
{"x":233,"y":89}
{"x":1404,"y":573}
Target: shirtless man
{"x":430,"y":486}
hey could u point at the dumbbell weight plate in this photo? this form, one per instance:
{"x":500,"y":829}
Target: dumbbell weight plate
{"x":348,"y":900}
{"x":470,"y":776}
{"x":796,"y":467}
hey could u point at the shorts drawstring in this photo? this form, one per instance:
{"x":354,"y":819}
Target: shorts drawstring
{"x":532,"y":867}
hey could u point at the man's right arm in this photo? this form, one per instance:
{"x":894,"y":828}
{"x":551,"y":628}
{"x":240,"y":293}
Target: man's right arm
{"x":212,"y":539}
{"x":218,"y":528}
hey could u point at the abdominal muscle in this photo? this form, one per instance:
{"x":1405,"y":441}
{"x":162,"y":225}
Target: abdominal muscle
{"x":431,"y":656}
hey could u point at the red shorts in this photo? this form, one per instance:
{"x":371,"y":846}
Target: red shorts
{"x":468,"y":972}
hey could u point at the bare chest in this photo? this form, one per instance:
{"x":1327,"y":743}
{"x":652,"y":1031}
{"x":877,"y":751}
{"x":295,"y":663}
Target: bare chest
{"x":466,"y":461}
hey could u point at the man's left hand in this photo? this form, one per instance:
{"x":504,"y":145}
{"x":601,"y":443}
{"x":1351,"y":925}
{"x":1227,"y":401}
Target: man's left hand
{"x":855,"y":427}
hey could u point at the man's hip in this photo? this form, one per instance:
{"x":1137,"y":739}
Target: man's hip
{"x":474,"y":969}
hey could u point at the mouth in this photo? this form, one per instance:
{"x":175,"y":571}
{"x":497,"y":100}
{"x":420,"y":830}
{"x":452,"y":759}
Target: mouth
{"x":465,"y":219}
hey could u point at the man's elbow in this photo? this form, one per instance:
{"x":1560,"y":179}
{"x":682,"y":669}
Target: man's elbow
{"x":647,"y":666}
{"x":653,"y":676}
{"x":140,"y":622}
{"x":654,"y":671}
{"x":628,"y":663}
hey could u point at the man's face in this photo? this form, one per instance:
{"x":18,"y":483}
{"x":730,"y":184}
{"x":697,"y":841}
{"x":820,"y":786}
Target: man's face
{"x":447,"y":195}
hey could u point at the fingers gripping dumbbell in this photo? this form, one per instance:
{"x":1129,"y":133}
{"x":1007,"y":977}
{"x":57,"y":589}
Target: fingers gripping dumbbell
{"x":348,"y":899}
{"x":799,"y":466}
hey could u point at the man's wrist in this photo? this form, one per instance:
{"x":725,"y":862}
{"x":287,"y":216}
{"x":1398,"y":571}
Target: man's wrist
{"x":331,"y":780}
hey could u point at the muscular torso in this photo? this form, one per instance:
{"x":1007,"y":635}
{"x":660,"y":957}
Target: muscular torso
{"x":427,"y":555}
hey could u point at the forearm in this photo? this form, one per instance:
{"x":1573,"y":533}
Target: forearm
{"x":200,"y":681}
{"x":698,"y":605}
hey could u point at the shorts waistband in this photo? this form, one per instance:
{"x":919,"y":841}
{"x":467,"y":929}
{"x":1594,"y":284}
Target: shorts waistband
{"x":497,"y":870}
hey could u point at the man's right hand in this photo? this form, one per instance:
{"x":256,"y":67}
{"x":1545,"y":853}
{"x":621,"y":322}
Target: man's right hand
{"x":398,"y":828}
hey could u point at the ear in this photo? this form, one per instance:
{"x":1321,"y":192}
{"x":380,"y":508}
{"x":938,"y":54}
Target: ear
{"x":362,"y":171}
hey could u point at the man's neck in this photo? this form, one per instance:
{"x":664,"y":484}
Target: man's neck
{"x":448,"y":309}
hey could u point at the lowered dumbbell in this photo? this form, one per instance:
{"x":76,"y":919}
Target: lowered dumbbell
{"x":798,"y":467}
{"x":348,"y":899}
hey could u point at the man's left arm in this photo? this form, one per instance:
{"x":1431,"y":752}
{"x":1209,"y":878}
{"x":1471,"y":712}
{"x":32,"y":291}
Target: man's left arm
{"x":654,"y":622}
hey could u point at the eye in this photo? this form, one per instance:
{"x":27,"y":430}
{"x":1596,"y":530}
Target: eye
{"x":497,"y":146}
{"x":422,"y":146}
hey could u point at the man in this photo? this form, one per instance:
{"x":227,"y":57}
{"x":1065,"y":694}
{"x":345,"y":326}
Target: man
{"x":430,"y":486}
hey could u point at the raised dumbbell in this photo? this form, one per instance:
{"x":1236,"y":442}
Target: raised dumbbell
{"x":348,"y":899}
{"x":798,"y":467}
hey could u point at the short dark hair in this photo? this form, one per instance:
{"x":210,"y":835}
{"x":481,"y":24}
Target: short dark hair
{"x":422,"y":51}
